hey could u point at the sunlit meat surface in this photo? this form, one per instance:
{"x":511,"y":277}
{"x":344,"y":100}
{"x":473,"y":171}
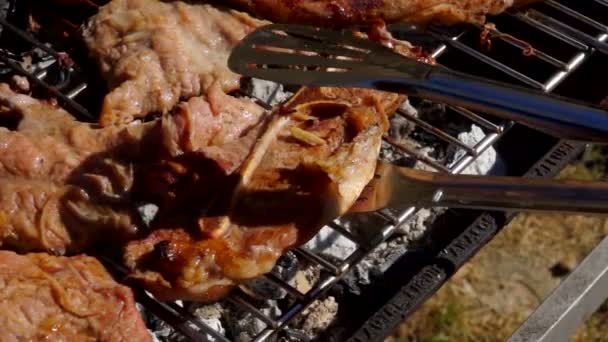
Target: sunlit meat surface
{"x":348,"y":12}
{"x":49,"y":298}
{"x":67,"y":185}
{"x":153,"y":53}
{"x":63,"y":183}
{"x":309,"y":163}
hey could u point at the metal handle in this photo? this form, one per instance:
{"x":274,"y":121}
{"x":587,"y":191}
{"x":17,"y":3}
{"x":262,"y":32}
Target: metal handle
{"x":500,"y":193}
{"x":550,"y":114}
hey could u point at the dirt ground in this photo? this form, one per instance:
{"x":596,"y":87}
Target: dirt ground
{"x":495,"y":292}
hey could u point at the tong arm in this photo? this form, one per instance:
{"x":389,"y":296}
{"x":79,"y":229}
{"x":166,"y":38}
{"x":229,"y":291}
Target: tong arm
{"x":405,"y":186}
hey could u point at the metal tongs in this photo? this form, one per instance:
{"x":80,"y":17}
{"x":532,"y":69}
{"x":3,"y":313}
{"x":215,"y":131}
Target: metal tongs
{"x":304,"y":55}
{"x":401,"y":186}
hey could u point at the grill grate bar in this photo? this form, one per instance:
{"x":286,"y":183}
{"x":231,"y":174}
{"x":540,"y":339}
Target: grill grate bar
{"x":169,"y":315}
{"x":591,"y":41}
{"x":387,"y":217}
{"x":602,"y":2}
{"x":41,"y":74}
{"x":81,"y":111}
{"x":240,"y":302}
{"x":496,"y":34}
{"x":407,"y":150}
{"x":280,"y":282}
{"x":179,"y":310}
{"x":485,"y":123}
{"x":29,"y":38}
{"x":549,"y":30}
{"x":434,"y":130}
{"x":496,"y":64}
{"x":559,"y":77}
{"x":577,"y":15}
{"x":179,"y":318}
{"x":344,"y":232}
{"x":314,"y":257}
{"x":77,"y":90}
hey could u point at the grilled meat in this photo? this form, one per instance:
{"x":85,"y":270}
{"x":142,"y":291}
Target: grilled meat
{"x":62,"y":183}
{"x":65,"y":185}
{"x":307,"y":164}
{"x":153,"y":53}
{"x":348,"y":12}
{"x":44,"y":297}
{"x":263,"y":193}
{"x":211,"y":120}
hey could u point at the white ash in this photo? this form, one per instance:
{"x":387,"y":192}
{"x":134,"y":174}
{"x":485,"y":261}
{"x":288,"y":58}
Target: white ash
{"x":211,"y":315}
{"x":163,"y":332}
{"x":267,"y":91}
{"x":380,"y":259}
{"x":318,"y":317}
{"x":484,"y":162}
{"x":415,"y":227}
{"x":147,"y":212}
{"x":329,"y":242}
{"x":242,"y":325}
{"x":286,"y":269}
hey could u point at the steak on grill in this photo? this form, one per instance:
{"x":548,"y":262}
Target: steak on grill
{"x":309,"y":164}
{"x":67,"y":185}
{"x":348,"y":12}
{"x":49,"y":298}
{"x":154,"y":53}
{"x":63,"y":183}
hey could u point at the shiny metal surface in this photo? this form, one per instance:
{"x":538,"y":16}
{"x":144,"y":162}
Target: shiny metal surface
{"x":273,"y":53}
{"x":574,"y":300}
{"x":401,"y":186}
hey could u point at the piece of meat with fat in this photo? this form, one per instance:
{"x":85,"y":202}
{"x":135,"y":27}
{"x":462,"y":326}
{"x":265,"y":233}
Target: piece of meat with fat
{"x":212,"y":120}
{"x":67,"y":185}
{"x":50,"y":298}
{"x":349,"y":12}
{"x":155,"y":53}
{"x":63,"y":183}
{"x":309,"y":163}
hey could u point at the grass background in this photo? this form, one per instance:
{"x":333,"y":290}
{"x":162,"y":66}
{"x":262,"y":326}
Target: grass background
{"x":494,"y":293}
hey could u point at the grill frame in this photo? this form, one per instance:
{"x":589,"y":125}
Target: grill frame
{"x":432,"y":270}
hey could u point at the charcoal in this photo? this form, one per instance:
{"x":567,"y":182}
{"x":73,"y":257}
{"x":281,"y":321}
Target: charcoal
{"x":162,"y":331}
{"x":242,"y":325}
{"x":286,"y":269}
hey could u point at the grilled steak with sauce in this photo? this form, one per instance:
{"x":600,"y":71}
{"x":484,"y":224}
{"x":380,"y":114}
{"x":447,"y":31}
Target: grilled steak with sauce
{"x":50,"y":298}
{"x":308,"y":164}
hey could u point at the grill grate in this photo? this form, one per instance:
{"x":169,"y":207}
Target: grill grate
{"x":579,"y":36}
